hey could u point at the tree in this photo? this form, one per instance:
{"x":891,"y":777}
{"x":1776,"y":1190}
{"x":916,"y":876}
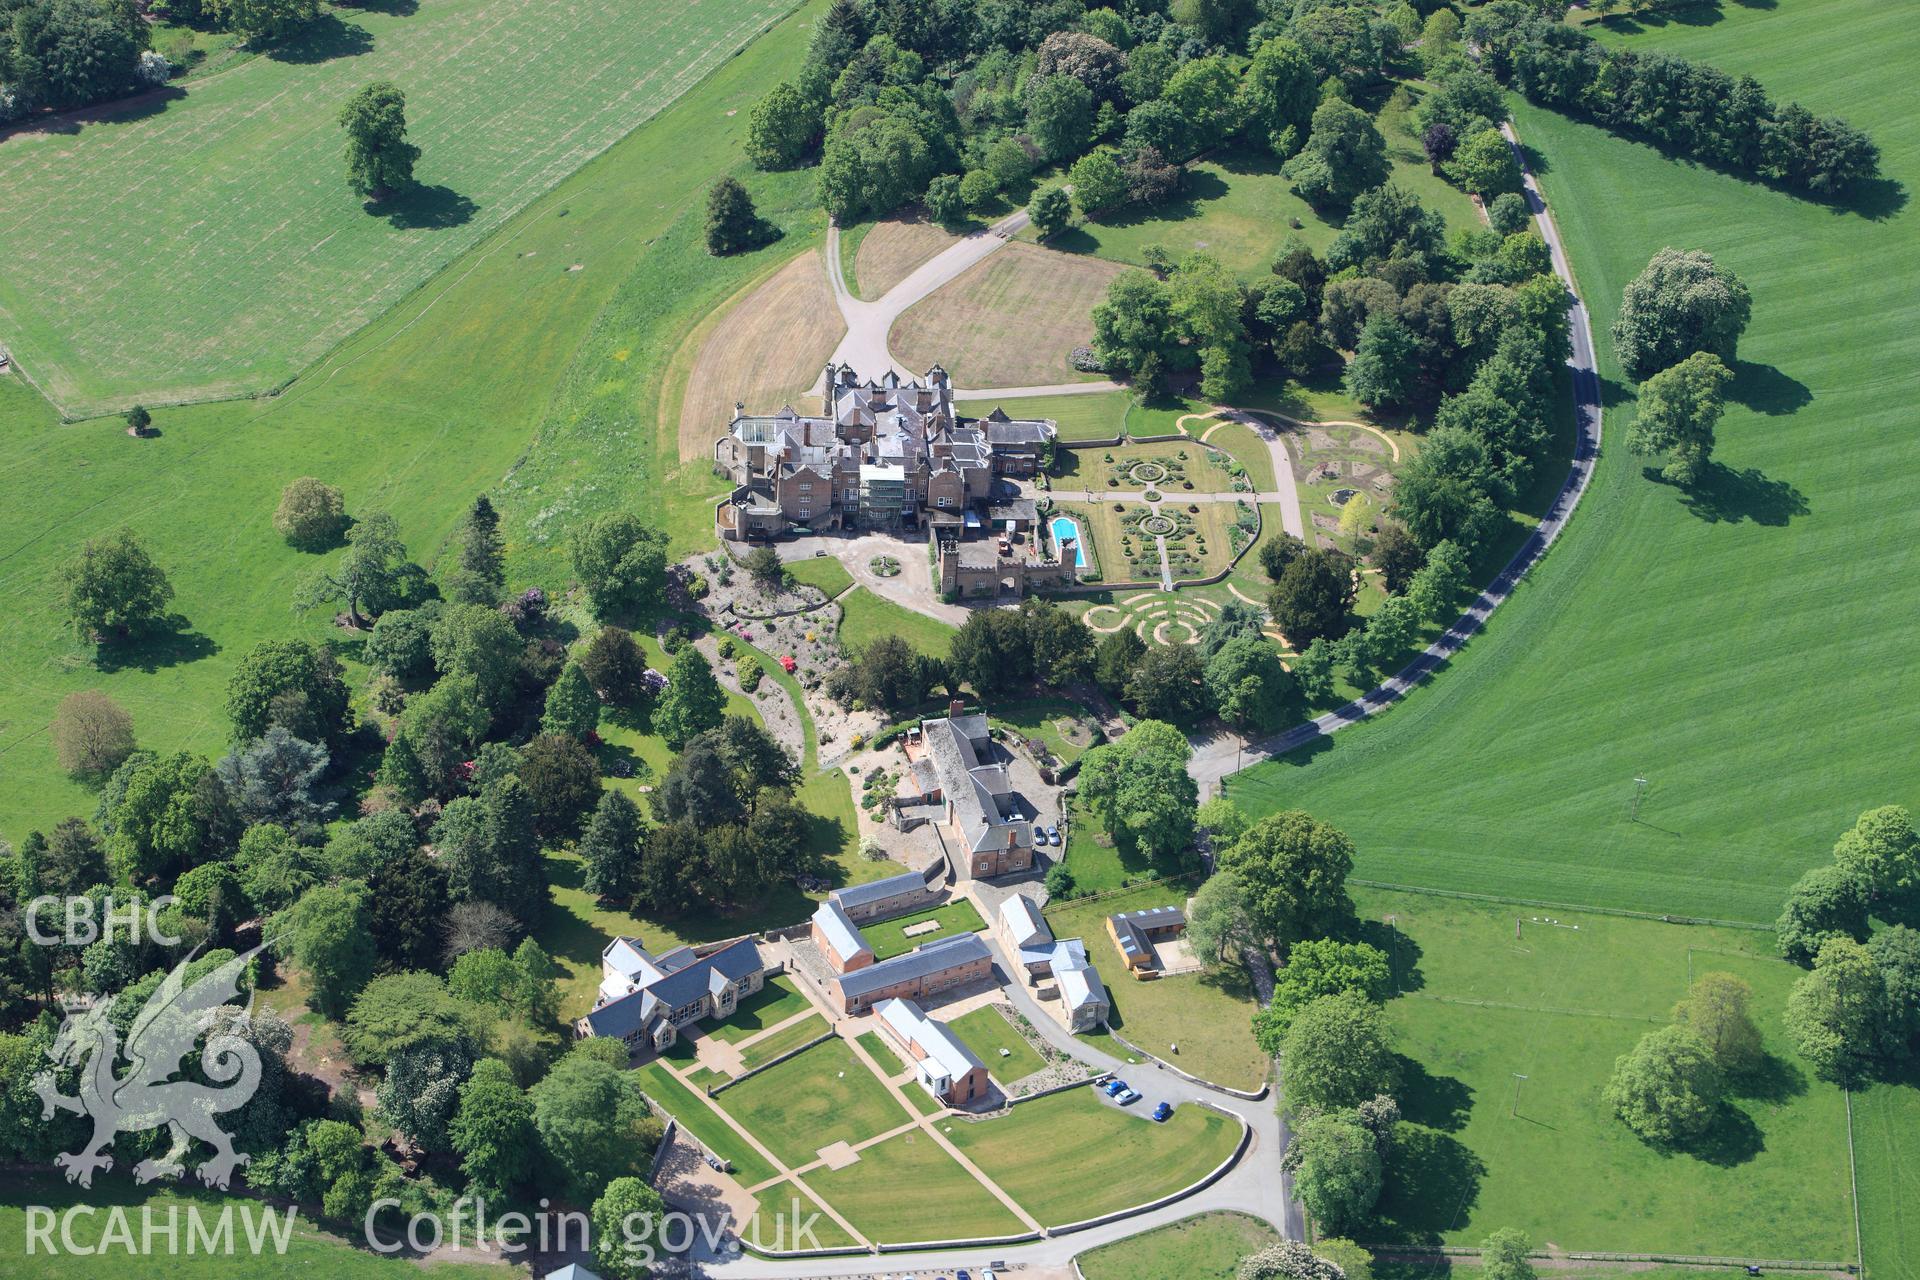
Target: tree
{"x":1504,"y":1255}
{"x":1235,"y":619}
{"x":421,"y":1092}
{"x":291,"y":684}
{"x":573,"y":708}
{"x":1090,"y":59}
{"x":693,"y":701}
{"x":437,"y":732}
{"x":698,"y":788}
{"x":1290,"y":1260}
{"x":311,"y":513}
{"x":1484,"y":165}
{"x":1313,"y":597}
{"x":73,"y":861}
{"x":1279,"y":552}
{"x":1344,"y":155}
{"x":1679,"y":407}
{"x":171,"y":814}
{"x":483,"y":978}
{"x":1337,"y":1054}
{"x":1398,"y":557}
{"x":480,"y":575}
{"x":1206,"y":92}
{"x":991,"y":650}
{"x":492,"y":1131}
{"x":409,"y":903}
{"x":1098,"y":181}
{"x":1337,"y":1170}
{"x":1838,"y":1015}
{"x":1508,"y":213}
{"x":1249,"y":687}
{"x":1385,"y":370}
{"x":1681,"y":303}
{"x":370,"y":572}
{"x":476,"y":924}
{"x":1316,"y":968}
{"x":756,"y":761}
{"x":1827,"y":902}
{"x":1280,"y":91}
{"x":1168,"y":683}
{"x":594,"y":1126}
{"x":1295,"y":870}
{"x":1882,"y":850}
{"x":764,"y":567}
{"x":114,"y":591}
{"x":475,"y":640}
{"x":1051,"y":209}
{"x":733,"y":224}
{"x":615,"y":667}
{"x":272,"y":779}
{"x":327,"y":937}
{"x":1667,"y":1090}
{"x":1114,"y":658}
{"x":1140,"y":791}
{"x":1440,"y":581}
{"x":891,"y":673}
{"x":380,"y":160}
{"x":1445,"y":493}
{"x":978,"y":188}
{"x":1716,"y":1010}
{"x":1387,"y":223}
{"x":1059,"y":115}
{"x":1218,"y":927}
{"x":945,"y":202}
{"x":1895,"y":952}
{"x":264,"y":21}
{"x":491,"y":853}
{"x":1351,"y":1258}
{"x":92,"y":734}
{"x":783,"y":127}
{"x":626,"y":1222}
{"x":621,"y":562}
{"x":274,"y":868}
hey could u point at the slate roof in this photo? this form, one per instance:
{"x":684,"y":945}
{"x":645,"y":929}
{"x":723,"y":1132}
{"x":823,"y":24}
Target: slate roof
{"x":874,"y":891}
{"x":947,"y":1058}
{"x":693,"y":980}
{"x":935,"y":957}
{"x":1130,"y":928}
{"x":974,"y":788}
{"x":1023,"y":921}
{"x":840,"y":933}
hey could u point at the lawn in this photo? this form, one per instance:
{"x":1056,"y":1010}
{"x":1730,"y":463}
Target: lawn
{"x":1092,"y":415}
{"x":416,"y":414}
{"x":1248,"y":449}
{"x":1010,"y":320}
{"x":1885,"y":1118}
{"x":824,"y":1096}
{"x":889,"y":937}
{"x":1742,"y":647}
{"x":225,"y":208}
{"x":986,"y":1031}
{"x":1065,"y":727}
{"x":865,"y":617}
{"x":750,"y":1168}
{"x":1485,"y":1013}
{"x":824,"y":572}
{"x":776,"y":1001}
{"x":1099,"y":864}
{"x":1208,"y":1015}
{"x":784,"y":1208}
{"x":1209,"y":1247}
{"x":786,"y":1040}
{"x":1169,"y":468}
{"x":310,"y":1250}
{"x":1119,"y":1157}
{"x":908,"y":1189}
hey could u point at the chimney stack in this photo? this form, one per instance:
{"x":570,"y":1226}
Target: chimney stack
{"x":955,"y":709}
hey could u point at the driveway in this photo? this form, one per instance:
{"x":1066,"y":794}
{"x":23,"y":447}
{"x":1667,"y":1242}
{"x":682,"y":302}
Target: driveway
{"x":1216,"y":757}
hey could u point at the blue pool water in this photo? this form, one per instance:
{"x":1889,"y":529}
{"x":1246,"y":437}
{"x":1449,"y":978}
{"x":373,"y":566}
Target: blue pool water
{"x":1065,"y":527}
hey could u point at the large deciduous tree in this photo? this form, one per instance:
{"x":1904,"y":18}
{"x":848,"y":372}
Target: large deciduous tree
{"x":1668,"y":1089}
{"x":1343,"y":156}
{"x":380,"y":160}
{"x":1679,"y":407}
{"x":92,"y":734}
{"x":115,"y":591}
{"x":621,"y":561}
{"x":1140,"y":791}
{"x":1337,"y":1055}
{"x":1295,"y":870}
{"x":1681,"y":303}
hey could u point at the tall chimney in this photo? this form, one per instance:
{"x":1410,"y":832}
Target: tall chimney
{"x":955,"y":709}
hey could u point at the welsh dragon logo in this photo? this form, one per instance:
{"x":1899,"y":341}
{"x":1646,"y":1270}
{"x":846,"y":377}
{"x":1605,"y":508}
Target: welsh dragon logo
{"x":147,"y":1097}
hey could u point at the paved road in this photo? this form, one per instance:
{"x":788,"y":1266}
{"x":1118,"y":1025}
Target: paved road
{"x":1219,"y":756}
{"x":1255,"y":1185}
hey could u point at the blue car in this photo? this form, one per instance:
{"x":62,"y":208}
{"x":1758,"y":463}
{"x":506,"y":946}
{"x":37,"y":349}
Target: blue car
{"x":1114,"y":1088}
{"x":1162,"y":1111}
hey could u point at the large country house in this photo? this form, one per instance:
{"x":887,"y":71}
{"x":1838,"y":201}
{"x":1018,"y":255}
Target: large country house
{"x":646,"y":999}
{"x":957,"y":770}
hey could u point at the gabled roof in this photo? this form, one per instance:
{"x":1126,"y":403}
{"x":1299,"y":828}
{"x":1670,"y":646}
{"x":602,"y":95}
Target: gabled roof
{"x":935,"y":957}
{"x":947,"y":1058}
{"x":1080,"y":987}
{"x":1024,"y":924}
{"x":876,"y":891}
{"x":695,"y":980}
{"x":839,"y":931}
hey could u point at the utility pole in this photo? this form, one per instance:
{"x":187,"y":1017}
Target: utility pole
{"x":1639,"y":790}
{"x":1515,"y":1109}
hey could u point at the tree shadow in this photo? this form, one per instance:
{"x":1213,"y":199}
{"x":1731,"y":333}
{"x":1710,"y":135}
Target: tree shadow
{"x":1724,"y":495}
{"x":1764,"y":389}
{"x":396,"y":8}
{"x":1402,"y":952}
{"x":322,"y":40}
{"x":433,"y":208}
{"x":173,"y":645}
{"x":1732,"y":1139}
{"x":1441,"y":1103}
{"x":119,"y":111}
{"x":1772,"y":1080}
{"x":1432,"y":1183}
{"x":1876,"y":199}
{"x":1537,"y":161}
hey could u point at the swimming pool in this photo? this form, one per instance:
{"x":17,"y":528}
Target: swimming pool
{"x":1065,"y":527}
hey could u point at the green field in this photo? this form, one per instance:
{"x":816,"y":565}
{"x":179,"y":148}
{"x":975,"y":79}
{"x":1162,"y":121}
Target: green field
{"x":1557,"y":1006}
{"x":889,"y":937}
{"x":866,"y":617}
{"x":1740,"y":647}
{"x":823,"y":572}
{"x":1208,"y":1015}
{"x":786,"y":1040}
{"x":1885,"y":1118}
{"x":1068,"y":1156}
{"x":986,"y":1031}
{"x":750,"y":1168}
{"x":907,"y":1189}
{"x":1093,"y":415}
{"x":310,"y":1251}
{"x":416,"y":414}
{"x":776,"y":1001}
{"x":226,"y":210}
{"x":1043,"y":718}
{"x":1209,"y":1247}
{"x":775,"y":1227}
{"x":824,"y":1096}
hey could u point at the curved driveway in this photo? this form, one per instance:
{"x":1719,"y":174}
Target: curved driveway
{"x":1217,"y":757}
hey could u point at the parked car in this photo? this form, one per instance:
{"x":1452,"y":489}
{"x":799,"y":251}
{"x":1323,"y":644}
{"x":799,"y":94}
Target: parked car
{"x":1127,"y":1097}
{"x":1113,"y":1087}
{"x":1053,"y":835}
{"x":1163,"y":1111}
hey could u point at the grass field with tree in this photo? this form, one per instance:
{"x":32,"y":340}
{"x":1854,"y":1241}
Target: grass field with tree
{"x":1208,"y":1247}
{"x":226,"y":210}
{"x":1738,"y":645}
